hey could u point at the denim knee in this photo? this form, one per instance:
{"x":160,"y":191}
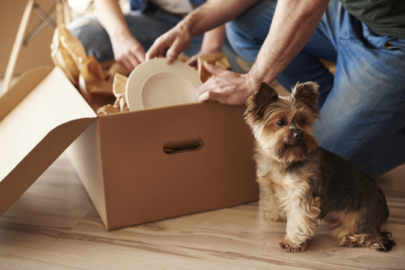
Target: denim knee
{"x":247,"y":33}
{"x":93,"y":37}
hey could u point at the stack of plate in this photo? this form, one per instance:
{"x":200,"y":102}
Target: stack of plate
{"x":156,"y":84}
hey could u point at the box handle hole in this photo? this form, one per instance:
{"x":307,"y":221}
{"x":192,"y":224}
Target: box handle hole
{"x":174,"y":147}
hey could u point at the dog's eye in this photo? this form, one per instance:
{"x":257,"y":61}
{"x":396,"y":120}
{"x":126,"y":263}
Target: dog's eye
{"x":281,"y":123}
{"x":303,"y":121}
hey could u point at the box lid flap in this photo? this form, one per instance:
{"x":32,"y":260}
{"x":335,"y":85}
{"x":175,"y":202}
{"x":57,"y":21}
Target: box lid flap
{"x":40,"y":116}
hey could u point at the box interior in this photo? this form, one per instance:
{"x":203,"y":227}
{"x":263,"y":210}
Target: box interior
{"x":40,"y":117}
{"x":85,"y":155}
{"x":50,"y":104}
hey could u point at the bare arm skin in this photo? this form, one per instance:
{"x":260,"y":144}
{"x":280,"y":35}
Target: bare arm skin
{"x":293,"y":25}
{"x":210,"y":15}
{"x":127,"y":50}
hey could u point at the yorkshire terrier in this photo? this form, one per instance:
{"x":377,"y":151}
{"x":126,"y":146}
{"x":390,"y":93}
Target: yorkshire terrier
{"x":303,"y":182}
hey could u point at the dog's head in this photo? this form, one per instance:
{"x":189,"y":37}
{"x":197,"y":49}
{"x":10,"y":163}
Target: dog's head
{"x":283,"y":125}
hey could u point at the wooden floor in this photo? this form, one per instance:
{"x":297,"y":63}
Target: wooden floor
{"x":55,"y":226}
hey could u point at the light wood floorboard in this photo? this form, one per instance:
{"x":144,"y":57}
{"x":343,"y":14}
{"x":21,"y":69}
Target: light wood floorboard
{"x":55,"y":226}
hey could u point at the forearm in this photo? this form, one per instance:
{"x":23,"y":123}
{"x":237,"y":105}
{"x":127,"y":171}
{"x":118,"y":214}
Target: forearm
{"x":213,"y":14}
{"x":127,"y":50}
{"x":294,"y":23}
{"x":110,"y":16}
{"x":214,"y":39}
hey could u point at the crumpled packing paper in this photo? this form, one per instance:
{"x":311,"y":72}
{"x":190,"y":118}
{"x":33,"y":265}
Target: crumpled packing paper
{"x":217,"y":59}
{"x":120,"y":104}
{"x":85,"y":72}
{"x":100,"y":86}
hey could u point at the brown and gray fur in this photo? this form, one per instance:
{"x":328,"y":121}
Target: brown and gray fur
{"x":303,"y":182}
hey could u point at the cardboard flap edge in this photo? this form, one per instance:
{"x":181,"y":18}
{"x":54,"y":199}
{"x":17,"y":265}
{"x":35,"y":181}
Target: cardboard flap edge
{"x":38,"y":160}
{"x":21,"y":88}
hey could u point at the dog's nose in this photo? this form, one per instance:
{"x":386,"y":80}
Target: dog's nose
{"x":298,"y":134}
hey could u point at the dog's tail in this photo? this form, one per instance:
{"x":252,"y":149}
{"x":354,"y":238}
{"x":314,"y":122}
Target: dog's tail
{"x":387,"y":241}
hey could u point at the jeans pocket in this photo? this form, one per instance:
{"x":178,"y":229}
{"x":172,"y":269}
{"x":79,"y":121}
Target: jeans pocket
{"x":394,"y":43}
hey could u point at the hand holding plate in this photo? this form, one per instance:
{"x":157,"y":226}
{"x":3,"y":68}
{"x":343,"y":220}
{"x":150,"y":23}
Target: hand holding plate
{"x":170,"y":44}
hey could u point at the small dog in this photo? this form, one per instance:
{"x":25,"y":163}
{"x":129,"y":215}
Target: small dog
{"x":304,"y":183}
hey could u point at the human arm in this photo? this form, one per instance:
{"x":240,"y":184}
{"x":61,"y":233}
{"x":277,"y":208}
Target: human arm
{"x":293,"y":25}
{"x":212,"y":43}
{"x":201,"y":20}
{"x":127,"y":50}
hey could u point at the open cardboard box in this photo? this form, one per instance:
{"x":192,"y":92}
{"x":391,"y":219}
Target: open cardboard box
{"x":136,"y":166}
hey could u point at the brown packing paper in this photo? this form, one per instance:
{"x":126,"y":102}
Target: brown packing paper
{"x":217,"y":59}
{"x":183,"y":58}
{"x":120,"y":104}
{"x":85,"y":72}
{"x":67,"y":53}
{"x":96,"y":84}
{"x":119,"y":86}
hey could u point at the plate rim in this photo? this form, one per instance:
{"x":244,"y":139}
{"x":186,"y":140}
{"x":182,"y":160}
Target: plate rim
{"x":162,"y":67}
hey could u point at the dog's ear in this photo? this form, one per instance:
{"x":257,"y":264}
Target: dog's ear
{"x":308,"y":94}
{"x":264,"y":94}
{"x":258,"y":101}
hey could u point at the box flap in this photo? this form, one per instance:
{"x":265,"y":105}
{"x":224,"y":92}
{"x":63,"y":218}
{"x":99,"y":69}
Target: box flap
{"x":47,"y":116}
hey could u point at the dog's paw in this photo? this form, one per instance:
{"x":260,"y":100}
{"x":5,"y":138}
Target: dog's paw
{"x":274,"y":216}
{"x":288,"y":246}
{"x":277,"y":219}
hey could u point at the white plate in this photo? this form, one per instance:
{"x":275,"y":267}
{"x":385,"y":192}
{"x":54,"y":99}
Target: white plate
{"x":156,"y":84}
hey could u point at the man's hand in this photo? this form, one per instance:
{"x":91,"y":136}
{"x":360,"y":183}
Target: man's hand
{"x":227,"y":87}
{"x":170,"y":44}
{"x":202,"y":19}
{"x":127,"y":51}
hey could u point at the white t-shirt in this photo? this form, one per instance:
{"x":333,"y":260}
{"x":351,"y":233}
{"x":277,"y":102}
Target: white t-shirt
{"x":174,"y":6}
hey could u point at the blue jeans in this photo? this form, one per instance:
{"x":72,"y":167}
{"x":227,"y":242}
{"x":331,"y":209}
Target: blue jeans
{"x":145,"y":27}
{"x":363,"y":105}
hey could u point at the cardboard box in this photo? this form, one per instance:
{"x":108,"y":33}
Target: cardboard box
{"x":137,"y":166}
